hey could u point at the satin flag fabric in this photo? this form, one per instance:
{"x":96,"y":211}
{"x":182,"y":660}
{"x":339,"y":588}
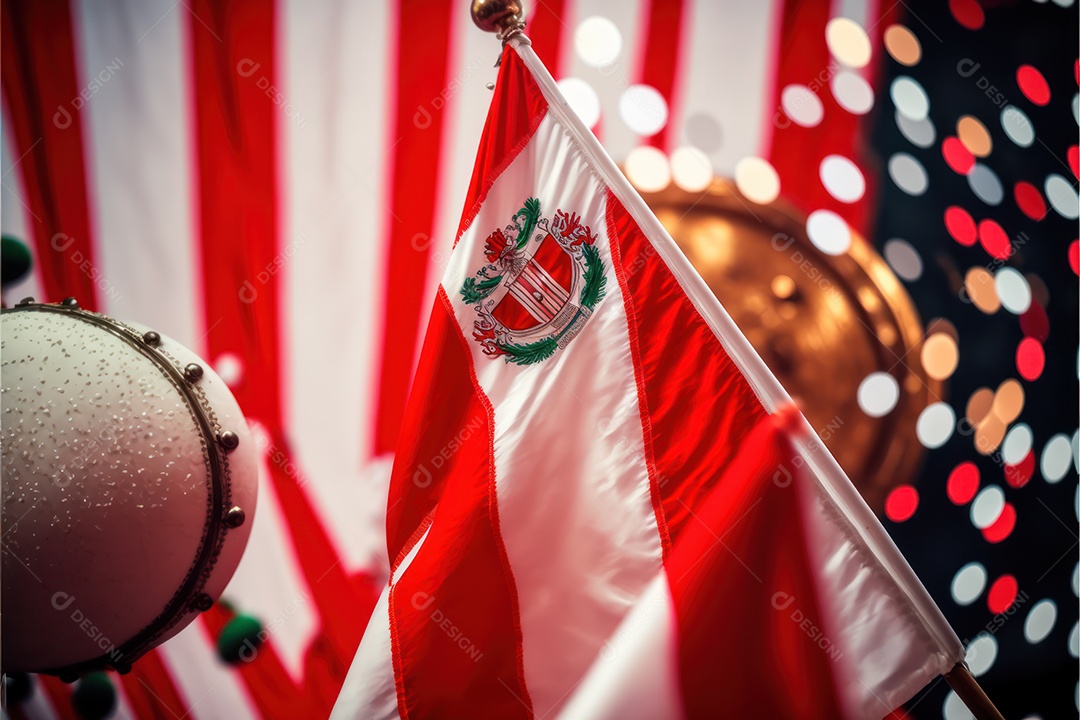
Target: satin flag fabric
{"x":591,"y":497}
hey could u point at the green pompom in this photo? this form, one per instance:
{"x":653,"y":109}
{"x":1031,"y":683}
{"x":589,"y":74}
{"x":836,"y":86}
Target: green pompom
{"x":94,"y":697}
{"x":240,"y":640}
{"x":14,"y":260}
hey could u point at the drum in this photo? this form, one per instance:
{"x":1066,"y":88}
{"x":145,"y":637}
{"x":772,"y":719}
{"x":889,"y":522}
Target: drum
{"x":129,"y":487}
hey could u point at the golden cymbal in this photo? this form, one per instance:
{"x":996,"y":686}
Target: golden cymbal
{"x":821,"y":322}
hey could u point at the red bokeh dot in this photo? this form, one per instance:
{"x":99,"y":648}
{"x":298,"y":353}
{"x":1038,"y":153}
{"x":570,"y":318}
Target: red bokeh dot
{"x":994,"y":240}
{"x":963,"y":483}
{"x":1029,"y":200}
{"x":968,"y":13}
{"x":1030,"y":359}
{"x":1033,"y":85}
{"x":1074,"y":256}
{"x":1002,"y":594}
{"x":1003,"y":526}
{"x":901,"y":503}
{"x":960,"y":225}
{"x":1034,"y":323}
{"x":1073,"y":153}
{"x":957,"y":157}
{"x":1020,"y":474}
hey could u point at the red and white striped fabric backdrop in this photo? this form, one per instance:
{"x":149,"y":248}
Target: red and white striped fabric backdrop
{"x":277,"y":185}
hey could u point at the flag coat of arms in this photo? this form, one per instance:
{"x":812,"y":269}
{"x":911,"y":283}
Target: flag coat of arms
{"x":594,"y":510}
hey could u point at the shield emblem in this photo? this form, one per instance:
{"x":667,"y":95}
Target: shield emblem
{"x":536,"y":294}
{"x":543,"y":280}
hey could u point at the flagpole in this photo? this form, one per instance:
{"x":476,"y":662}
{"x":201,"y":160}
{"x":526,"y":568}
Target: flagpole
{"x":968,"y":689}
{"x":506,"y":18}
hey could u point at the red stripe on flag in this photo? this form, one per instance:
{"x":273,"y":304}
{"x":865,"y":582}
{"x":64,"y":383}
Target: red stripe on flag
{"x":421,"y":78}
{"x":516,"y":110}
{"x":759,"y":648}
{"x":41,"y":85}
{"x":691,"y":450}
{"x":662,"y":23}
{"x":454,"y":613}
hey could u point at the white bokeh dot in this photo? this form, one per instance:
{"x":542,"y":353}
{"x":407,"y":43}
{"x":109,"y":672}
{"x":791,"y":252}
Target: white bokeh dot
{"x":935,"y":425}
{"x":842,"y":178}
{"x":852,"y":92}
{"x":691,"y":169}
{"x":597,"y":41}
{"x":1074,"y":641}
{"x":1017,"y":443}
{"x":828,"y":232}
{"x":757,"y":180}
{"x":909,"y":98}
{"x":848,"y":42}
{"x":230,"y":368}
{"x":1040,"y":621}
{"x":903,"y":259}
{"x":985,"y":184}
{"x":1063,"y":197}
{"x":981,"y":653}
{"x":918,"y":132}
{"x":1013,"y":290}
{"x":1056,"y":458}
{"x":1017,"y":126}
{"x":802,"y":105}
{"x":968,"y":583}
{"x":582,"y":99}
{"x":987,"y":507}
{"x":878,"y":394}
{"x":908,"y":173}
{"x":955,"y":709}
{"x":643,"y":109}
{"x":648,"y":169}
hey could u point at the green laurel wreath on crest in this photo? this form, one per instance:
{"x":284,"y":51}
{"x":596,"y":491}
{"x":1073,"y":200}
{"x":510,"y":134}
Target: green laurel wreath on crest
{"x":595,"y":280}
{"x":529,"y":353}
{"x":476,"y":289}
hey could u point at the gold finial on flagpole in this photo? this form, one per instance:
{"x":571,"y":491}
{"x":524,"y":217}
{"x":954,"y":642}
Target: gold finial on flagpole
{"x":504,"y":17}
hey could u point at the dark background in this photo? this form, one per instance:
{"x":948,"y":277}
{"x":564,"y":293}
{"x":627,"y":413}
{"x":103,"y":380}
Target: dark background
{"x":1041,"y":553}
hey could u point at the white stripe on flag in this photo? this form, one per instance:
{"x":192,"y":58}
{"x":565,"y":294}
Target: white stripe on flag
{"x":635,"y":675}
{"x":370,"y":689}
{"x":332,"y":149}
{"x":137,"y":139}
{"x":578,"y":525}
{"x":727,"y":82}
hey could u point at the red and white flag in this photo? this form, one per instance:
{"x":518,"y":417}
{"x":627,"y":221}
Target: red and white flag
{"x":593,"y":511}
